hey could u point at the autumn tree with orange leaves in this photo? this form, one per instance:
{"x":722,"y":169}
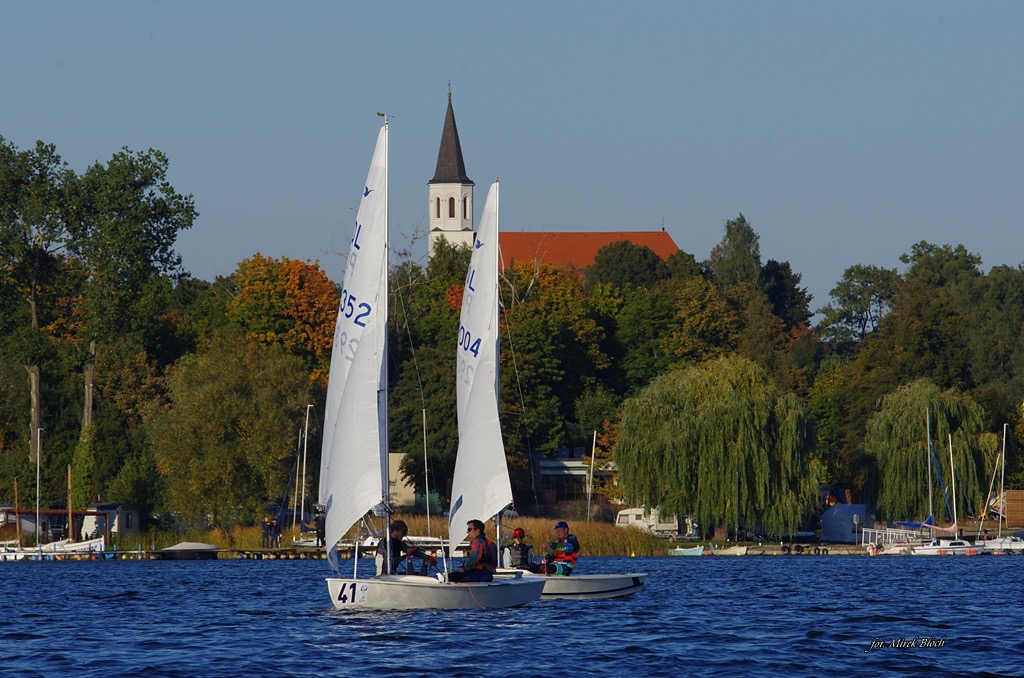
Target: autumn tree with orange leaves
{"x":289,"y":303}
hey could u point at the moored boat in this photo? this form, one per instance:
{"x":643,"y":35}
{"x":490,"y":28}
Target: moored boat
{"x":691,"y":551}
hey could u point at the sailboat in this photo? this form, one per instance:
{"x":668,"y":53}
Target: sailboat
{"x":354,"y":458}
{"x":481,"y":487}
{"x":947,"y":547}
{"x":1001,"y":544}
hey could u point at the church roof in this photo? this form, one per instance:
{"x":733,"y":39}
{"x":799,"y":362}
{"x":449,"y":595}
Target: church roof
{"x":578,"y":248}
{"x":451,"y":168}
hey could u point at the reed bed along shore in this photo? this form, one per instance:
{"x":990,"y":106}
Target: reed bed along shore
{"x":596,"y":538}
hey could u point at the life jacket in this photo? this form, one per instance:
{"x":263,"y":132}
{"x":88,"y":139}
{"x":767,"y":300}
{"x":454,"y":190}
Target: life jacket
{"x":519,"y":554}
{"x":488,"y":558}
{"x":567,"y":550}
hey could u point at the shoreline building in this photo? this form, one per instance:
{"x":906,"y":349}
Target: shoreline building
{"x":450,"y":206}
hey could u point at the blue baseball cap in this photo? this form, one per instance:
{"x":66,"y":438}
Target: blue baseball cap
{"x":561,"y":525}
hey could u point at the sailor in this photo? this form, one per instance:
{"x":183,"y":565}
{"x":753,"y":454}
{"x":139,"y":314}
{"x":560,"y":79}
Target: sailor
{"x":562,"y":552}
{"x":517,"y":554}
{"x":400,"y":549}
{"x":482,"y":560}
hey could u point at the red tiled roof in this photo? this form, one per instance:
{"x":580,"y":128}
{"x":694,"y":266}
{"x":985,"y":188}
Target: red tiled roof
{"x":579,"y":248}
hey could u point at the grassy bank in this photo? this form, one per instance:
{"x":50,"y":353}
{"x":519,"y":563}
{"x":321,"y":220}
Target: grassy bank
{"x":596,"y":538}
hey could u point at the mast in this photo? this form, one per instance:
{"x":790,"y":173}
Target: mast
{"x":69,"y":535}
{"x":1002,"y":487}
{"x":426,"y":472}
{"x":17,"y":512}
{"x":590,"y":479}
{"x":305,"y":445}
{"x":952,"y":472}
{"x":295,"y":492}
{"x":382,"y":395}
{"x":39,"y":454}
{"x":928,"y":454}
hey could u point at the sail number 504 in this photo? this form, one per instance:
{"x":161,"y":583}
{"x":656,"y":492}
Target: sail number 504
{"x":467,"y":342}
{"x":350,"y":307}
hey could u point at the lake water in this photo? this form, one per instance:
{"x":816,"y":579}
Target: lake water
{"x":712,"y":616}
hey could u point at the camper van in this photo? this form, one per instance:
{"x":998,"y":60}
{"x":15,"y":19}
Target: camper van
{"x":649,"y":522}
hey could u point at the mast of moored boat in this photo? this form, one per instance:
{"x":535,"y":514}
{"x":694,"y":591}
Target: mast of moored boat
{"x":928,"y":456}
{"x":952,"y":473}
{"x":17,"y":513}
{"x":1002,"y":488}
{"x":70,"y":533}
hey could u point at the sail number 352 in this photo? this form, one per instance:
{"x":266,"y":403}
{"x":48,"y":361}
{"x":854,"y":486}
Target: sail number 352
{"x":354,"y":309}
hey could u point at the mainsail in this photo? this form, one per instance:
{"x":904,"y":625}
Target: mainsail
{"x":481,"y":487}
{"x":353,"y":463}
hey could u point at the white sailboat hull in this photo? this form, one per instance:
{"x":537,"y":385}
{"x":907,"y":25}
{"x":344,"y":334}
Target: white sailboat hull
{"x":411,"y":592}
{"x":64,"y":547}
{"x":587,"y":586}
{"x":1002,"y":544}
{"x":945,"y":547}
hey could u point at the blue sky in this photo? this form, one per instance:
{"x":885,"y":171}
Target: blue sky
{"x":844,"y":132}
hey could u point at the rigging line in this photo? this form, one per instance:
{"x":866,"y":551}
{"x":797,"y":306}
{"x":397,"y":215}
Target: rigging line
{"x":522,"y":401}
{"x":400,"y":298}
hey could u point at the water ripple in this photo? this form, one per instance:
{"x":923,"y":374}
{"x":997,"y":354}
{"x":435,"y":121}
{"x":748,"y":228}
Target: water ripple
{"x":716,"y":616}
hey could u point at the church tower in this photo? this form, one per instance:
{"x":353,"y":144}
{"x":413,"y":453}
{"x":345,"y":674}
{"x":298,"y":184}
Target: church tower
{"x":450,"y":192}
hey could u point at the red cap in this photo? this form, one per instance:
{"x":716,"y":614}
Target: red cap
{"x":518,"y":532}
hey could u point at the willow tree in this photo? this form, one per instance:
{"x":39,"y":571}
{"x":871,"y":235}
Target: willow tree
{"x":718,"y":441}
{"x":897,"y":437}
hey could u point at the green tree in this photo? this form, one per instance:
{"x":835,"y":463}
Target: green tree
{"x":224,"y":444}
{"x":624,"y":264}
{"x":787,"y":299}
{"x":705,"y":325}
{"x":552,"y":352}
{"x":737,"y":258}
{"x":683,"y":265}
{"x":83,"y":482}
{"x":860,"y":301}
{"x":425,"y":305}
{"x":896,"y":438}
{"x":941,"y":266}
{"x":717,"y":440}
{"x":34,"y":187}
{"x":763,"y":339}
{"x":126,"y":218}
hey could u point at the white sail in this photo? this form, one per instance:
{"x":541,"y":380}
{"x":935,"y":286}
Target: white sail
{"x":481,"y":487}
{"x":353,"y":471}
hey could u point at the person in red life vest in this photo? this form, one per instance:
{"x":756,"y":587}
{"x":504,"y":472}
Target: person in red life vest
{"x":482,"y":560}
{"x":517,"y":554}
{"x":400,"y":549}
{"x":562,"y":552}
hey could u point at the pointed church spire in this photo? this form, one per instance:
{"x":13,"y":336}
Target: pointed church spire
{"x":451,"y":168}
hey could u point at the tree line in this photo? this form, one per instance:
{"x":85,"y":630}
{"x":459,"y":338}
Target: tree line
{"x":706,"y":381}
